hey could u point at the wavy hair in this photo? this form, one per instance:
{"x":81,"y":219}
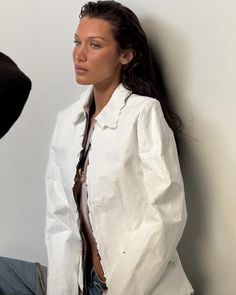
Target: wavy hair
{"x":140,"y":75}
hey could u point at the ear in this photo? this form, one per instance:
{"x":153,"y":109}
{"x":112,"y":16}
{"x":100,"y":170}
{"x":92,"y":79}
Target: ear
{"x":126,"y":56}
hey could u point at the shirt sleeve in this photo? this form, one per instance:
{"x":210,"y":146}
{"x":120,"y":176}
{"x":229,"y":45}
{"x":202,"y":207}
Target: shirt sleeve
{"x":62,"y":235}
{"x":153,"y":245}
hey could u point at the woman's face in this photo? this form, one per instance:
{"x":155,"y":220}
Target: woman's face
{"x":96,"y":56}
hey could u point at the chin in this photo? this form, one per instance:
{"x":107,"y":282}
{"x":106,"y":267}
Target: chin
{"x":82,"y":82}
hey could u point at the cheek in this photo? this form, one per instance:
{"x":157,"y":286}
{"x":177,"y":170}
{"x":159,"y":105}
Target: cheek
{"x":73,"y":54}
{"x":106,"y":62}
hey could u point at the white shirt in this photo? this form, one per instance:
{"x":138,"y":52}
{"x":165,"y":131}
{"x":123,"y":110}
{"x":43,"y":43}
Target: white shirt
{"x":135,"y":198}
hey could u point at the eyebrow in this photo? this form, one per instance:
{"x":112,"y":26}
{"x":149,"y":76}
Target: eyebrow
{"x":93,"y":37}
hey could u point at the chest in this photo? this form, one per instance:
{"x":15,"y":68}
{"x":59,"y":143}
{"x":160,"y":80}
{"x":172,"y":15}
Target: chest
{"x":113,"y":151}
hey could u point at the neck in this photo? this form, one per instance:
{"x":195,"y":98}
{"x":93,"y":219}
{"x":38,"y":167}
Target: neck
{"x":102,"y":94}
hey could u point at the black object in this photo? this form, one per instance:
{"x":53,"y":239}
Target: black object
{"x":15,"y":87}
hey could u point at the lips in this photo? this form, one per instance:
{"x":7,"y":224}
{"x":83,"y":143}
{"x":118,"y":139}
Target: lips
{"x":80,"y":69}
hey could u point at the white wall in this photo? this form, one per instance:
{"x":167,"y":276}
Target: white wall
{"x":38,"y":36}
{"x":196,"y":43}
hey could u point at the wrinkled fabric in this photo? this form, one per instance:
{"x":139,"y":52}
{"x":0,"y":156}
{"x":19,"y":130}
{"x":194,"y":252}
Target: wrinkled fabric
{"x":135,"y":197}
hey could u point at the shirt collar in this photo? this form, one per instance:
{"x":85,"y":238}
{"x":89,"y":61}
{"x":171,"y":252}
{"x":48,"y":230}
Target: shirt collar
{"x":83,"y":106}
{"x":109,"y":116}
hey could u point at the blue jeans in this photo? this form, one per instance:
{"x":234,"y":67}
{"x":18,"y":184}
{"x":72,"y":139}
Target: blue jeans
{"x":19,"y":277}
{"x":95,"y":285}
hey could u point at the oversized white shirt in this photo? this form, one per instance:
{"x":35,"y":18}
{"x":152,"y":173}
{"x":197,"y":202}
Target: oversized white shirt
{"x":135,"y":197}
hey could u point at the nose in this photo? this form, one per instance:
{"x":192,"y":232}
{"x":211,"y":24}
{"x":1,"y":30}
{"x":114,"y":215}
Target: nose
{"x":80,"y":53}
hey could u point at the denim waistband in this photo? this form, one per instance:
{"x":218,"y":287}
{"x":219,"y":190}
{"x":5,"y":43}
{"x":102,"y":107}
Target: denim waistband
{"x":95,"y":283}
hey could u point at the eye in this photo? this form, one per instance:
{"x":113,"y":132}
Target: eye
{"x":77,"y":42}
{"x":95,"y":45}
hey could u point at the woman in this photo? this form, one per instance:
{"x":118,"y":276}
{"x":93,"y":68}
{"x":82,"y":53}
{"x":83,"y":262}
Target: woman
{"x":117,"y":150}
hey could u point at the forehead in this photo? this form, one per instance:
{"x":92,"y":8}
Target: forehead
{"x":94,"y":27}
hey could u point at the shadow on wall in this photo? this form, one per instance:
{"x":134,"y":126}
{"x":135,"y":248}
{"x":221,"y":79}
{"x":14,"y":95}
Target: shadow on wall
{"x":190,"y":248}
{"x":173,"y":49}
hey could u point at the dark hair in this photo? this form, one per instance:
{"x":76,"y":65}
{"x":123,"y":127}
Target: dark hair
{"x":139,"y":75}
